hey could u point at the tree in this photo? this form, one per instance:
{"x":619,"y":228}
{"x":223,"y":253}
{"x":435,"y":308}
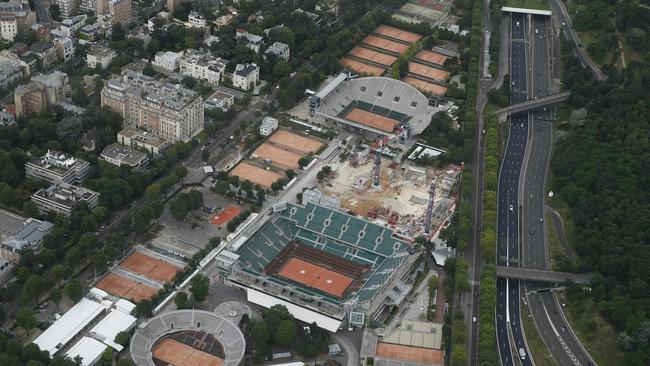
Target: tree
{"x":260,"y":332}
{"x":143,"y":309}
{"x":281,"y":69}
{"x":73,"y":290}
{"x":148,"y":70}
{"x":200,"y":287}
{"x":55,"y":296}
{"x":222,"y":187}
{"x":123,"y":338}
{"x":30,"y":209}
{"x":181,"y":300}
{"x":290,"y":173}
{"x":205,"y":155}
{"x":26,"y":319}
{"x":59,"y":272}
{"x":153,"y":191}
{"x":33,"y":287}
{"x":189,"y":82}
{"x":286,"y":333}
{"x":180,"y":173}
{"x":107,"y":356}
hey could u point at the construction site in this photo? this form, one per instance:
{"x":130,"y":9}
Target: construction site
{"x":413,"y":200}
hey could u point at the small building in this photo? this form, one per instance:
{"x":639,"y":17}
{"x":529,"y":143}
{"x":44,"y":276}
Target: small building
{"x":101,"y":56}
{"x":70,"y":26}
{"x":119,"y":155}
{"x":197,"y":19}
{"x":64,"y":48}
{"x":268,"y":126}
{"x":63,"y":198}
{"x":10,"y":72}
{"x":55,"y":166}
{"x":167,"y":60}
{"x":201,"y":65}
{"x":90,"y":33}
{"x":46,"y":53}
{"x":279,"y":50}
{"x":334,"y":350}
{"x":88,"y":350}
{"x":219,"y":100}
{"x":131,"y":136}
{"x":252,"y":41}
{"x":30,"y":236}
{"x":246,"y":76}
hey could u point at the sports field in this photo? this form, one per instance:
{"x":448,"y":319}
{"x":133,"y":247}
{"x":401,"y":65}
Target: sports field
{"x":385,"y":44}
{"x":408,"y":353}
{"x":361,"y":68}
{"x":397,"y":33}
{"x":431,"y":88}
{"x":279,"y":157}
{"x":126,"y":288}
{"x":152,"y":268}
{"x":429,"y":72}
{"x":432,"y":57}
{"x":229,"y":213}
{"x":371,"y":120}
{"x":255,"y":174}
{"x":173,"y":352}
{"x":294,"y":142}
{"x":314,"y":276}
{"x":373,"y":56}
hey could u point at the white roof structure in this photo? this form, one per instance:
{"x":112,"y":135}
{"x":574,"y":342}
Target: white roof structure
{"x":125,"y":306}
{"x":300,"y":313}
{"x":98,"y":293}
{"x":68,"y":326}
{"x":526,"y":11}
{"x":88,"y":349}
{"x":114,"y":323}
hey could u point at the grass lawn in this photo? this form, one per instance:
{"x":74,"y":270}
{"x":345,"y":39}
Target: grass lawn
{"x":554,"y":245}
{"x":594,"y":332}
{"x":565,"y":211}
{"x":538,"y":349}
{"x":630,"y":53}
{"x":529,"y":4}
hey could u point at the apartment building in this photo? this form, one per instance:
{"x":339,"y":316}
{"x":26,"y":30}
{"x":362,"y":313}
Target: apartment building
{"x":46,"y":53}
{"x":121,"y":11}
{"x":252,"y":41}
{"x":62,"y":198}
{"x":201,"y":65}
{"x":268,"y":126}
{"x":28,"y":236}
{"x":167,"y":60}
{"x":119,"y":155}
{"x":70,"y":26}
{"x":278,"y":49}
{"x":246,"y":76}
{"x":10,"y":72}
{"x":15,"y":17}
{"x":41,"y":93}
{"x":165,"y":110}
{"x":67,"y":8}
{"x":196,"y":19}
{"x":56,"y":166}
{"x":100,"y":55}
{"x":132,"y":137}
{"x":64,"y":48}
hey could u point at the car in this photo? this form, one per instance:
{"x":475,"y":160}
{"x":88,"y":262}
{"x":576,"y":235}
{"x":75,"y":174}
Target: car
{"x":512,"y":208}
{"x":473,"y":319}
{"x":563,"y":23}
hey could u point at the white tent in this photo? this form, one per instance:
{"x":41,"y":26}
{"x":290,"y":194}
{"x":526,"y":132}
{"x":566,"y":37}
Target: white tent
{"x":88,"y":349}
{"x":114,"y":323}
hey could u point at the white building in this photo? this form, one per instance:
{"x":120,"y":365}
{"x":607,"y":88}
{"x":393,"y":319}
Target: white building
{"x":202,"y":66}
{"x":131,"y":136}
{"x":279,"y":49}
{"x":167,"y":60}
{"x":246,"y":76}
{"x":197,"y":20}
{"x":253,"y":41}
{"x":67,"y":7}
{"x":14,"y":18}
{"x":56,"y":166}
{"x":268,"y":126}
{"x":63,"y":198}
{"x":100,"y":56}
{"x":64,"y":48}
{"x":10,"y":71}
{"x":70,"y":26}
{"x":119,"y":155}
{"x":219,"y":100}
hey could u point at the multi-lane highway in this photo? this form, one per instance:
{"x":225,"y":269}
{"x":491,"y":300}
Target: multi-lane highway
{"x":508,"y":291}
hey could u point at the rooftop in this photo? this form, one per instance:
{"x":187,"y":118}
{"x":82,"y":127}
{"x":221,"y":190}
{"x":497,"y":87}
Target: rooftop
{"x":10,"y":223}
{"x":65,"y":194}
{"x":166,"y":95}
{"x":250,"y":37}
{"x":32,"y":232}
{"x":100,"y":51}
{"x":57,"y":161}
{"x":144,"y":136}
{"x":245,"y":69}
{"x":123,"y":153}
{"x":40,"y":47}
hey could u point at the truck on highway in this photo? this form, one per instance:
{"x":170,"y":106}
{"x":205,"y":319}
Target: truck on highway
{"x":522,"y":354}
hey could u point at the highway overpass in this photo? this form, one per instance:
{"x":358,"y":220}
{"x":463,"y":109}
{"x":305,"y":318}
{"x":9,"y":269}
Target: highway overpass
{"x":503,"y":113}
{"x":542,"y":275}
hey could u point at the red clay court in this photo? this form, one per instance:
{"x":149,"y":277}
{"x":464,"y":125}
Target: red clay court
{"x":409,"y":353}
{"x":229,"y":213}
{"x":373,"y":56}
{"x":362,"y":68}
{"x":125,"y":288}
{"x":255,"y":174}
{"x":396,"y":33}
{"x":294,"y":142}
{"x":432,"y":57}
{"x":385,"y":44}
{"x":279,"y":157}
{"x":152,"y":268}
{"x":371,"y":120}
{"x":173,"y":352}
{"x":315,"y":276}
{"x":425,"y":86}
{"x":428,"y":72}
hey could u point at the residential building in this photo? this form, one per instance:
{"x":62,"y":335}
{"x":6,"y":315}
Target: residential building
{"x":55,"y":166}
{"x":56,"y":86}
{"x":223,"y":20}
{"x":90,"y":33}
{"x":119,"y":155}
{"x":63,"y":198}
{"x":70,"y":26}
{"x":7,"y":119}
{"x":64,"y":48}
{"x":15,"y":17}
{"x":253,"y":41}
{"x":121,"y":11}
{"x":100,"y":55}
{"x":41,"y":93}
{"x":328,"y":6}
{"x":29,"y":236}
{"x":201,"y":65}
{"x":268,"y":126}
{"x":67,"y":8}
{"x":10,"y":72}
{"x":197,"y":19}
{"x":246,"y":76}
{"x":6,"y":271}
{"x":279,"y":49}
{"x":88,"y":6}
{"x":131,"y":136}
{"x":219,"y":100}
{"x":167,"y":60}
{"x":46,"y":53}
{"x":173,"y":5}
{"x":165,"y":110}
{"x":210,"y":40}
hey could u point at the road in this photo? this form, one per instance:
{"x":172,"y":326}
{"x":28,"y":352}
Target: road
{"x":561,"y":342}
{"x":562,"y":14}
{"x":508,"y":205}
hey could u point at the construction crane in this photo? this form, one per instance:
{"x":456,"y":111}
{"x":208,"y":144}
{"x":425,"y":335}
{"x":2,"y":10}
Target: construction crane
{"x":429,"y":215}
{"x":376,"y":148}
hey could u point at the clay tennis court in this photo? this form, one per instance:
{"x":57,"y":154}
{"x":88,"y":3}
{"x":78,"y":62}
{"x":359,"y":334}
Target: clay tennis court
{"x":396,"y":33}
{"x":362,"y":68}
{"x":372,"y":120}
{"x":374,"y":56}
{"x":173,"y":352}
{"x":431,"y":88}
{"x":295,"y":142}
{"x":433,"y":57}
{"x":255,"y":174}
{"x":385,"y":44}
{"x":315,"y":276}
{"x":229,"y":213}
{"x":279,"y":157}
{"x":426,"y":71}
{"x":152,"y":268}
{"x":125,"y":288}
{"x":408,"y":353}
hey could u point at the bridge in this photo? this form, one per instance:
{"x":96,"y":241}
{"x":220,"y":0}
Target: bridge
{"x":503,"y":113}
{"x":542,"y":275}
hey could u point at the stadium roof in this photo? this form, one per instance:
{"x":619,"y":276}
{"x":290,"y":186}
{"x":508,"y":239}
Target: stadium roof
{"x":88,"y":349}
{"x":299,"y":312}
{"x":526,"y":11}
{"x":68,"y":326}
{"x":114,"y":323}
